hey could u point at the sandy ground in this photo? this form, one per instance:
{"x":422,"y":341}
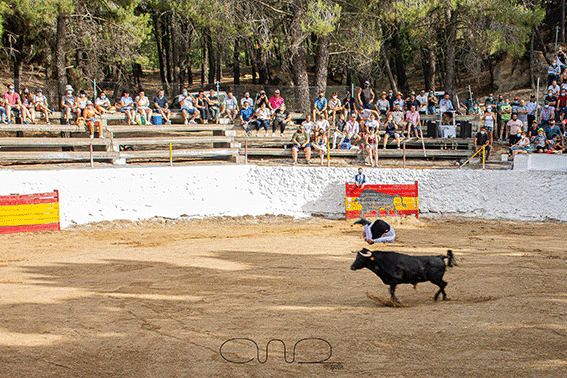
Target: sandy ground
{"x":158,"y":298}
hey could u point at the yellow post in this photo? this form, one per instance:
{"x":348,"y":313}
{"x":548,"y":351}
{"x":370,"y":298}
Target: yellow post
{"x":328,"y":154}
{"x":170,"y":155}
{"x":483,"y":155}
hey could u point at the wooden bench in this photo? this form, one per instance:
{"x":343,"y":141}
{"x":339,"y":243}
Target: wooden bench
{"x":361,"y":154}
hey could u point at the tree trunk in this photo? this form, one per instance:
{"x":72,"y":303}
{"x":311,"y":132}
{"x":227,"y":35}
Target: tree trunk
{"x":322,"y":63}
{"x":204,"y":62}
{"x":60,"y":54}
{"x":532,"y":76}
{"x":211,"y":53}
{"x":450,"y":67}
{"x":175,"y":54}
{"x":219,"y":62}
{"x":432,"y":69}
{"x":299,"y":59}
{"x":161,"y":56}
{"x":562,"y":22}
{"x":393,"y":84}
{"x":166,"y":46}
{"x":400,"y":68}
{"x":236,"y":62}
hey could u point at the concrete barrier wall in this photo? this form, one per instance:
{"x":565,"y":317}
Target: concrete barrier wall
{"x":92,"y":195}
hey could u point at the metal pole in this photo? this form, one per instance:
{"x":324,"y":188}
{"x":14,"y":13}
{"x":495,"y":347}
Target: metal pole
{"x":404,"y":154}
{"x":246,"y":151}
{"x":557,"y":28}
{"x":422,"y":141}
{"x":537,"y":101}
{"x":328,"y":153}
{"x":92,"y":160}
{"x":94,"y":85}
{"x":483,"y":155}
{"x":170,"y":155}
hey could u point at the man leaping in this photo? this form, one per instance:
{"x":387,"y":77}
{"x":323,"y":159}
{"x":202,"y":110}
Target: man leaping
{"x":377,"y":232}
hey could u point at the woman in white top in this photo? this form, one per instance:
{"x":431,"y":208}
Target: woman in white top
{"x":489,"y":119}
{"x":40,"y":105}
{"x":143,"y":106}
{"x":126,"y":106}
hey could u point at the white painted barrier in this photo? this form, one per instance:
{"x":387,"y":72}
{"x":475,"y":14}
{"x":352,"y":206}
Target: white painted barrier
{"x":92,"y":195}
{"x":540,"y":162}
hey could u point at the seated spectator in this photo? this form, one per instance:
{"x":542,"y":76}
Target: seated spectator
{"x":319,"y":142}
{"x":300,"y":142}
{"x":546,"y":114}
{"x":539,"y":141}
{"x":161,"y":106}
{"x":262,"y":98}
{"x":213,"y":105}
{"x":246,"y":118}
{"x":27,"y":102}
{"x":551,"y":99}
{"x":308,"y":125}
{"x":352,"y":129}
{"x":366,"y":96}
{"x":349,"y":105}
{"x":482,"y":139}
{"x":514,"y":129}
{"x":40,"y":105}
{"x":422,"y":99}
{"x":551,"y":130}
{"x":202,"y":106}
{"x":2,"y":109}
{"x":339,"y":132}
{"x":143,"y":108}
{"x":554,"y":88}
{"x":412,"y":100}
{"x":557,"y":144}
{"x":432,"y":104}
{"x":322,"y":124}
{"x":187,"y":102}
{"x":553,"y":72}
{"x":230,"y":107}
{"x":412,"y":122}
{"x":127,"y":106}
{"x":371,"y":140}
{"x":371,"y":124}
{"x":102,"y":104}
{"x":320,"y":106}
{"x":399,"y":101}
{"x":68,"y":102}
{"x":469,"y":103}
{"x":446,"y":109}
{"x":383,"y":105}
{"x":82,"y":101}
{"x":281,"y":119}
{"x":12,"y":100}
{"x":364,"y":116}
{"x":397,"y":116}
{"x":522,"y":146}
{"x":89,"y":114}
{"x":391,"y":129}
{"x":276,"y":101}
{"x":263,"y":116}
{"x":533,"y":131}
{"x":335,"y":107}
{"x":247,"y":99}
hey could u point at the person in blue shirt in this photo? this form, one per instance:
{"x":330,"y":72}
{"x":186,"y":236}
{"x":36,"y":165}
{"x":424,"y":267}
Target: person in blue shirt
{"x":320,"y":106}
{"x":245,"y":116}
{"x":360,"y":179}
{"x":162,"y":107}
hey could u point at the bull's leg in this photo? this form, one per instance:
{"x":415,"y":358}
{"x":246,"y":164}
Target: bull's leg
{"x":392,"y":293}
{"x":441,"y":285}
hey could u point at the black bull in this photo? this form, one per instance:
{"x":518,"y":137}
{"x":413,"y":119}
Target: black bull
{"x":396,"y":268}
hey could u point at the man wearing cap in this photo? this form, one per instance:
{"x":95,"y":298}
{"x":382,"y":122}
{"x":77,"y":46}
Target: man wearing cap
{"x":366,"y":96}
{"x":539,"y":141}
{"x":482,"y":139}
{"x":68,"y":104}
{"x":40,"y":104}
{"x":399,"y":101}
{"x":515,"y":104}
{"x":276,"y":100}
{"x":533,"y":107}
{"x":247,"y":99}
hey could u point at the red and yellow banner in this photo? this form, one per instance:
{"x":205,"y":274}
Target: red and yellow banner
{"x":381,"y":200}
{"x":30,"y":212}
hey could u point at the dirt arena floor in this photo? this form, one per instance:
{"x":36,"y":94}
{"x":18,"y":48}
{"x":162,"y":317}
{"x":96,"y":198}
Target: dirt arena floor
{"x":177,"y":298}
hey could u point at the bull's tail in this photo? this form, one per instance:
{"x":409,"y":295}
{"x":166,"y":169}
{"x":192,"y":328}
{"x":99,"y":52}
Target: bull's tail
{"x":451,"y":262}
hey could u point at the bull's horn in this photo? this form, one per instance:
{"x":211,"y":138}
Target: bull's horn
{"x":367,"y":254}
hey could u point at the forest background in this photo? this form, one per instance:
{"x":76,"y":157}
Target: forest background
{"x":304,"y":45}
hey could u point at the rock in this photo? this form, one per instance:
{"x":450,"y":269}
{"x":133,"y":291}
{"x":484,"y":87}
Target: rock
{"x":511,"y":74}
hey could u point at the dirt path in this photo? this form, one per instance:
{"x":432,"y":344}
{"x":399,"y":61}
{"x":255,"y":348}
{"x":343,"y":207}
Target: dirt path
{"x":159,"y":298}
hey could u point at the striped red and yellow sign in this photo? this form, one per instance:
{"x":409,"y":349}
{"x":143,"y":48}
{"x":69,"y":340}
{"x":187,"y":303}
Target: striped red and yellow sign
{"x":381,"y":200}
{"x":30,"y":212}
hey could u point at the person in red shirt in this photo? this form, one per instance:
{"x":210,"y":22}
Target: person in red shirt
{"x":12,"y":100}
{"x":562,"y":103}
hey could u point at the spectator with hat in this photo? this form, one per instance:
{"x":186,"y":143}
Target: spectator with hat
{"x":383,"y":105}
{"x":276,"y":101}
{"x":40,"y":105}
{"x":399,"y":101}
{"x":539,"y":141}
{"x":366,"y":96}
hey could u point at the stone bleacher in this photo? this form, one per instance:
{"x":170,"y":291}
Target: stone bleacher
{"x":197,"y":141}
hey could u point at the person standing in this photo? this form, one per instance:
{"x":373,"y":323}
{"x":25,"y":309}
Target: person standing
{"x":366,"y":96}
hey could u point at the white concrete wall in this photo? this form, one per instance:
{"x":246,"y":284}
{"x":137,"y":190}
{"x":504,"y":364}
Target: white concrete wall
{"x":540,"y":162}
{"x":92,"y":195}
